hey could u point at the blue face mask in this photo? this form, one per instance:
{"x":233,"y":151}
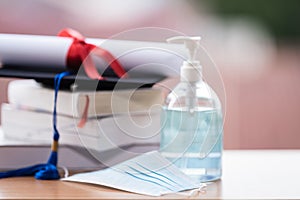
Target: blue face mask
{"x":149,"y":174}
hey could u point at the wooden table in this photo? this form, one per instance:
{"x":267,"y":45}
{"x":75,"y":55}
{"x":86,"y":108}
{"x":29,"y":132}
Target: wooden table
{"x":255,"y":174}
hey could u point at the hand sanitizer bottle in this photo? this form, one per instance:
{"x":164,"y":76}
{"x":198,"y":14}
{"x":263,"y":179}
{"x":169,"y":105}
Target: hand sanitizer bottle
{"x":192,"y":121}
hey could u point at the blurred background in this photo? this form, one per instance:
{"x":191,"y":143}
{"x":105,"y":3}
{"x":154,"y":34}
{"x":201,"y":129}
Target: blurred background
{"x":255,"y":44}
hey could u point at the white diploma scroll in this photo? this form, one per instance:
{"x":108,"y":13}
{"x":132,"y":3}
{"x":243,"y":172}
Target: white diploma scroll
{"x":50,"y":53}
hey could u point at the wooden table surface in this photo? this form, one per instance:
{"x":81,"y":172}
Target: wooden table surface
{"x":255,"y":174}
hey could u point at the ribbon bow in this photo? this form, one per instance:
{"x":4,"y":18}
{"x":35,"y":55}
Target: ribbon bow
{"x":80,"y":53}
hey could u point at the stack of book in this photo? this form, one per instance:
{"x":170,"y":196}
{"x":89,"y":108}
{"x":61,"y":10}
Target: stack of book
{"x":96,"y":120}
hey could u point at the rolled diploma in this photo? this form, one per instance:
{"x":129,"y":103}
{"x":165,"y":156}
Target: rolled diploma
{"x":50,"y":52}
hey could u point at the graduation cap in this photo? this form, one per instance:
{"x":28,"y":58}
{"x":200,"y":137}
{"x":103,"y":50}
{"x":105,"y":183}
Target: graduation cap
{"x":79,"y":80}
{"x":78,"y":54}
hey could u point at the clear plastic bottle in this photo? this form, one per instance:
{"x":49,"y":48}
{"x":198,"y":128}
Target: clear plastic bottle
{"x":192,"y":122}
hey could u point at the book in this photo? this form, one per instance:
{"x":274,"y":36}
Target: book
{"x":97,"y":135}
{"x":32,"y":94}
{"x":15,"y":153}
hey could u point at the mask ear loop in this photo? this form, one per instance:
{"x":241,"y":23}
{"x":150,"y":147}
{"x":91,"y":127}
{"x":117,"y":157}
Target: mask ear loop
{"x":65,"y":170}
{"x":194,"y":192}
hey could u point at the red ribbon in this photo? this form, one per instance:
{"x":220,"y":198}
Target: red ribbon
{"x":84,"y":116}
{"x":80,"y":53}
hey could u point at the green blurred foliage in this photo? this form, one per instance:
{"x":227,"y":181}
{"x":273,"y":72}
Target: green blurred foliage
{"x":281,"y":17}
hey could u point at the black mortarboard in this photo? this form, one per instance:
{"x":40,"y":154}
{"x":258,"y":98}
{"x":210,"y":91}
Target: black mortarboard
{"x":82,"y":81}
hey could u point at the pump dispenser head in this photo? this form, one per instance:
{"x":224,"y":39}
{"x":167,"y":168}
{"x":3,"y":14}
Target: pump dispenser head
{"x":191,"y":43}
{"x":191,"y":69}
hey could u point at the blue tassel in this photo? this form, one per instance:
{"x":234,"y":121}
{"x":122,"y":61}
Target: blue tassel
{"x":40,"y":171}
{"x":53,"y":158}
{"x":47,"y":171}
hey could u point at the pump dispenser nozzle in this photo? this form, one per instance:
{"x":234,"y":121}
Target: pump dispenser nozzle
{"x":191,"y":43}
{"x":191,"y":69}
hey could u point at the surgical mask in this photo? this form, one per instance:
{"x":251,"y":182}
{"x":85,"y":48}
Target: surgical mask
{"x":149,"y":174}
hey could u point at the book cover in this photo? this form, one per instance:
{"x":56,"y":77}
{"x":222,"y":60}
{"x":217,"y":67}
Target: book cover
{"x":97,"y":135}
{"x":31,"y":94}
